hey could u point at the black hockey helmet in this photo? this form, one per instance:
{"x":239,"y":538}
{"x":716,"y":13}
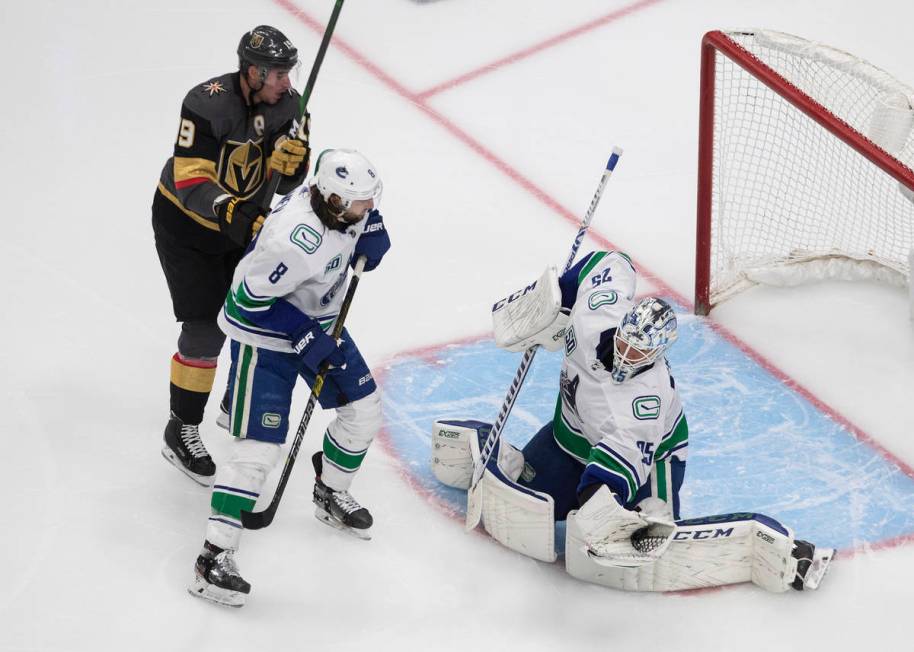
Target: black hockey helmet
{"x":266,"y":47}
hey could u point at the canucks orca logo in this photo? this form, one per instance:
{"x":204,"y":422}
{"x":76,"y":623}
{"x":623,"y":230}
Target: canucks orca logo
{"x":328,"y":297}
{"x":570,"y":391}
{"x":342,"y":172}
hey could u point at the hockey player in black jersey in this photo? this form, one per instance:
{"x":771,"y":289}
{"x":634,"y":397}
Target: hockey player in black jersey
{"x":236,"y":130}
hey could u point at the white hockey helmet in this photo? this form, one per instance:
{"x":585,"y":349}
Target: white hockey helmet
{"x":349,"y":175}
{"x":644,"y":334}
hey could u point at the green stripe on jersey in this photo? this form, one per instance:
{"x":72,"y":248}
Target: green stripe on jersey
{"x":660,"y":475}
{"x":231,"y":504}
{"x":246,"y":301}
{"x":603,"y":459}
{"x":231,"y":308}
{"x":594,"y":260}
{"x":574,"y":444}
{"x":678,"y":435}
{"x":326,"y":322}
{"x":346,"y":460}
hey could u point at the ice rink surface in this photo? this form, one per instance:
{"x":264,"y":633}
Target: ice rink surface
{"x":490,"y":123}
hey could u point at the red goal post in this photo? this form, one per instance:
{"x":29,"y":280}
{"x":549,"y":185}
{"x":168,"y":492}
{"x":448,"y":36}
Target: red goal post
{"x":792,"y":185}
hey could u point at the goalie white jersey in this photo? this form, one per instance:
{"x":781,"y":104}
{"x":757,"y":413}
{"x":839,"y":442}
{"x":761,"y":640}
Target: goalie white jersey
{"x":296,"y":269}
{"x":618,"y":430}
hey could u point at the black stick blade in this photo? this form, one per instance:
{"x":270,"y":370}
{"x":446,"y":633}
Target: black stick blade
{"x":258,"y":520}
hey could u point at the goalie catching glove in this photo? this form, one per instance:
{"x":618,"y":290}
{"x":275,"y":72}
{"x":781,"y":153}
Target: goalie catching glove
{"x":532,"y":316}
{"x":618,"y":537}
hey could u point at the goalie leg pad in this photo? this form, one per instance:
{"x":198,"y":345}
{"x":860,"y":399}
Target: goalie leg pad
{"x":456,"y":444}
{"x":452,"y":461}
{"x":518,"y":518}
{"x":773,"y":566}
{"x":703,"y":552}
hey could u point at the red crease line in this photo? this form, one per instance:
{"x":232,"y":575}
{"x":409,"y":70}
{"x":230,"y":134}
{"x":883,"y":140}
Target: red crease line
{"x":539,"y":47}
{"x":563,"y":212}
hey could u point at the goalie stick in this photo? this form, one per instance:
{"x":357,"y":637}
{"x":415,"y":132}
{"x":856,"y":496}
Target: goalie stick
{"x":309,"y":86}
{"x":474,"y":500}
{"x":258,"y":520}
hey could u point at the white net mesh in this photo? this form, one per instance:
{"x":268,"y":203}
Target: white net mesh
{"x":786,"y":191}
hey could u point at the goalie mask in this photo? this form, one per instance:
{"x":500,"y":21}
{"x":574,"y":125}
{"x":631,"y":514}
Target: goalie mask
{"x":351,"y":177}
{"x":644,"y":334}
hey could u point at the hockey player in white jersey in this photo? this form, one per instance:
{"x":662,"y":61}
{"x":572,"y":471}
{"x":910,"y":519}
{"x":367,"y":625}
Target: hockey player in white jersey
{"x":285,"y":296}
{"x":612,"y":460}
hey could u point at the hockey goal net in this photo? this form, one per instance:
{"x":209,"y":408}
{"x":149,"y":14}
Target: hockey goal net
{"x":805,"y":166}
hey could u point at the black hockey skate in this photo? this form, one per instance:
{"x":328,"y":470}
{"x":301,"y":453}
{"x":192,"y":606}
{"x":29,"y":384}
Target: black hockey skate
{"x":812,"y":564}
{"x":338,"y":508}
{"x":216,"y":577}
{"x":184,"y":448}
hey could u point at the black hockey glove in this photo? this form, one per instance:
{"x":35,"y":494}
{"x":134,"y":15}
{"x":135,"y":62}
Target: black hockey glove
{"x":373,"y":243}
{"x":239,"y":220}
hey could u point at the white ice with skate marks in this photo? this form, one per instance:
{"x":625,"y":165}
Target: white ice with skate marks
{"x":101,"y":533}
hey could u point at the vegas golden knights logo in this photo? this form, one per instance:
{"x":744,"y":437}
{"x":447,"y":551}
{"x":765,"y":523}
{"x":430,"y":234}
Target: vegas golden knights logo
{"x":256,"y":40}
{"x":241,"y":167}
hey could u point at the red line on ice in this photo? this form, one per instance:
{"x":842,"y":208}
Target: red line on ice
{"x":590,"y":26}
{"x":418,"y":101}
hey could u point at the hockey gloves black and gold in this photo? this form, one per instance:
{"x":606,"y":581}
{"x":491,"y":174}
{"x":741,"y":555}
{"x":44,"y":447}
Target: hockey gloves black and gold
{"x":289,"y":156}
{"x":314,"y":346}
{"x":373,"y":243}
{"x":292,"y":156}
{"x":239,"y":220}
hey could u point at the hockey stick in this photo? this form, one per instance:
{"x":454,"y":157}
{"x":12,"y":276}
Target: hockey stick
{"x":275,"y":178}
{"x":474,"y":500}
{"x":258,"y":520}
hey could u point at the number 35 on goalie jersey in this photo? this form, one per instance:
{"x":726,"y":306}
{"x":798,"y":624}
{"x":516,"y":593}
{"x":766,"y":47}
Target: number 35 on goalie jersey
{"x":624,"y":433}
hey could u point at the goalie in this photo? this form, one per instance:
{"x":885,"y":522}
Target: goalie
{"x":612,"y":460}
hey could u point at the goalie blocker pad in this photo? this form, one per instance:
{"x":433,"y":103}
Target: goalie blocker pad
{"x":702,"y":552}
{"x":532,"y":315}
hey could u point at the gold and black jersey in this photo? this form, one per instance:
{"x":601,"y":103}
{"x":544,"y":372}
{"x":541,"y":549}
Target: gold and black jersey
{"x":222,"y":147}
